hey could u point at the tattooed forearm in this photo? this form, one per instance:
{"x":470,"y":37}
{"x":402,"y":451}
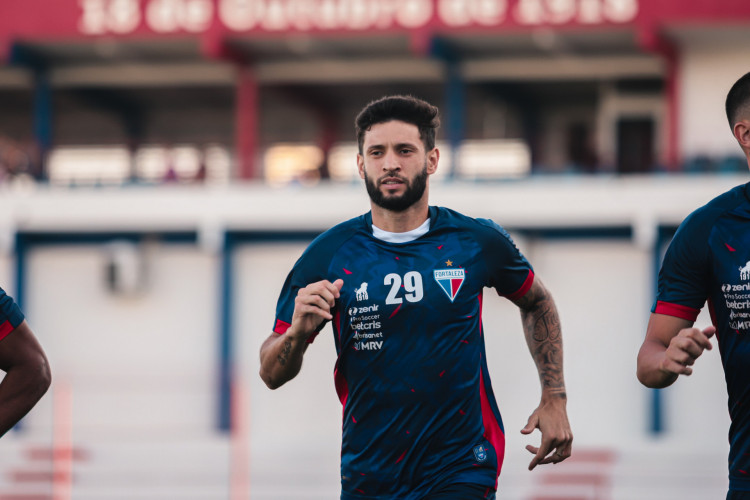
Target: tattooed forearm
{"x":541,"y":325}
{"x":285,"y":350}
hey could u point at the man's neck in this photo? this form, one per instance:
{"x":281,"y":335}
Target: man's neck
{"x":400,"y":222}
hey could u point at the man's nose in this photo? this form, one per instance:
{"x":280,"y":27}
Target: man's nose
{"x":391,"y":161}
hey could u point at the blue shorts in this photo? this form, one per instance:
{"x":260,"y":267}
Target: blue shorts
{"x":464,"y":491}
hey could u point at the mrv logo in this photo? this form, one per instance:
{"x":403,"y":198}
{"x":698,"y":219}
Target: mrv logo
{"x":372,"y":345}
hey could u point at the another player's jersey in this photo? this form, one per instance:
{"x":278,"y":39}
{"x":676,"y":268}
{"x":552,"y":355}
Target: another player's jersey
{"x":419,"y":410}
{"x":10,"y":314}
{"x":709,"y":260}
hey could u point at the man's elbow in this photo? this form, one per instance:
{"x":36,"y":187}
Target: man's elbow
{"x":651,"y":378}
{"x":42,"y":376}
{"x":271,"y":381}
{"x":642,"y":377}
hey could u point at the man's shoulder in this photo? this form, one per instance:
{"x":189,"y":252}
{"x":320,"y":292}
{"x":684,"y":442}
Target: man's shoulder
{"x":705,"y":217}
{"x":453,"y":218}
{"x":338,"y":234}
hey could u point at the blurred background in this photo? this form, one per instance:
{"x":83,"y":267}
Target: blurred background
{"x":163,"y":163}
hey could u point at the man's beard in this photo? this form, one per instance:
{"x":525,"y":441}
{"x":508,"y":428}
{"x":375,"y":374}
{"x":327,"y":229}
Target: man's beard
{"x":414,"y":191}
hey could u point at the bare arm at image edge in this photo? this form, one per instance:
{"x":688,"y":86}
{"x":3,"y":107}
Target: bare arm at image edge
{"x":670,"y":349}
{"x":27,"y":375}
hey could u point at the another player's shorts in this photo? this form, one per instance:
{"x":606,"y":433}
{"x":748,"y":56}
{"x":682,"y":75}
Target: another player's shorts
{"x":464,"y":491}
{"x":738,"y":495}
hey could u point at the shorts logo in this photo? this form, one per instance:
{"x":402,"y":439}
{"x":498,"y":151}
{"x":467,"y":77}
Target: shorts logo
{"x":450,"y":280}
{"x":480,"y":453}
{"x":361,"y":292}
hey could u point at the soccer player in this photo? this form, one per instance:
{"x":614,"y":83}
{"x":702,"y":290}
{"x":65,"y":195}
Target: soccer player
{"x":709,"y":259}
{"x":402,"y":286}
{"x":27,"y":373}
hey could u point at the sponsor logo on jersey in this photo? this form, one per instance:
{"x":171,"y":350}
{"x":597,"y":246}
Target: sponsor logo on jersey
{"x":450,"y":280}
{"x":480,"y":453}
{"x":360,"y":336}
{"x":745,"y":271}
{"x":367,"y":325}
{"x":354,"y":312}
{"x":370,"y":345}
{"x":361,"y":292}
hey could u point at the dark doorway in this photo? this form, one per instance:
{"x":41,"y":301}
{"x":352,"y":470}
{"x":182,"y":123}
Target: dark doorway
{"x":635,"y":145}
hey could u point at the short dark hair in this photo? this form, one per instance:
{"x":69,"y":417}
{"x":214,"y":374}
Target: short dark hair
{"x":403,"y":108}
{"x":738,"y":99}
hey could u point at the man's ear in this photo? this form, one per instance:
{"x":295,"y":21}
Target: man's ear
{"x":433,"y":157}
{"x":741,"y":132}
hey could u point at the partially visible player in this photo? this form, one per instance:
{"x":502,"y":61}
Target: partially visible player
{"x":403,"y":288}
{"x":709,"y":259}
{"x":27,"y":373}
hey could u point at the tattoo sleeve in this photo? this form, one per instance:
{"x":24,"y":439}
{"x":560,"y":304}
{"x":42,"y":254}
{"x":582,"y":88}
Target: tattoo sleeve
{"x":541,"y":326}
{"x":285,"y":350}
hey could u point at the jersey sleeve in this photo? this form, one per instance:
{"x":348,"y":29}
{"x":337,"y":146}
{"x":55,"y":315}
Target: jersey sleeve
{"x":510,"y":274}
{"x":10,"y":314}
{"x":301,"y":275}
{"x":684,"y":274}
{"x":311,"y":267}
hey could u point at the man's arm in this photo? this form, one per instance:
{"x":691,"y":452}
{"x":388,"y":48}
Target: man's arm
{"x":27,"y":375}
{"x":670,"y":349}
{"x":541,"y":326}
{"x":281,"y":354}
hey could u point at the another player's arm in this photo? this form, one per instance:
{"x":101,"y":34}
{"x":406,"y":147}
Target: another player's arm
{"x":27,"y":375}
{"x":281,"y":354}
{"x":541,"y":326}
{"x":669,"y":350}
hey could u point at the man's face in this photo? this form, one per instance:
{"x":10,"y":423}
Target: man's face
{"x":395,"y":165}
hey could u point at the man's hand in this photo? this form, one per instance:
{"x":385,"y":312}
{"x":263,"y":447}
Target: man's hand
{"x":670,"y":349}
{"x":281,"y":354}
{"x":685,"y":348}
{"x":313,"y":306}
{"x":557,"y":439}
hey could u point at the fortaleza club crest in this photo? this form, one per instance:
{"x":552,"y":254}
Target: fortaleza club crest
{"x":450,"y":280}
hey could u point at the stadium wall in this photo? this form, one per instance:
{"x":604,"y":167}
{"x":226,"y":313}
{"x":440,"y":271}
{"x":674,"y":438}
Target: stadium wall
{"x":147,"y":363}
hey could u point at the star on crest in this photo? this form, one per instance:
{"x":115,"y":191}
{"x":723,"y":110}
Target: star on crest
{"x":449,"y":262}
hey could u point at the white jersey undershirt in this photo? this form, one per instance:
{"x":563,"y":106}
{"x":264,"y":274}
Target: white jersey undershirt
{"x":401,"y":237}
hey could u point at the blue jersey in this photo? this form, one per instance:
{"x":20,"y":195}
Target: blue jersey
{"x":709,"y":260}
{"x":411,"y":374}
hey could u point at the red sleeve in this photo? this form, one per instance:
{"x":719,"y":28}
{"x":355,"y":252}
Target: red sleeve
{"x":5,"y":329}
{"x":282,"y":326}
{"x":524,"y":287}
{"x":676,"y":310}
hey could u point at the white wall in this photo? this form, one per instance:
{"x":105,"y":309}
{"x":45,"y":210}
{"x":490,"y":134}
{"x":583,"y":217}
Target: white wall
{"x":299,"y":423}
{"x":707,"y":72}
{"x":141,"y":365}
